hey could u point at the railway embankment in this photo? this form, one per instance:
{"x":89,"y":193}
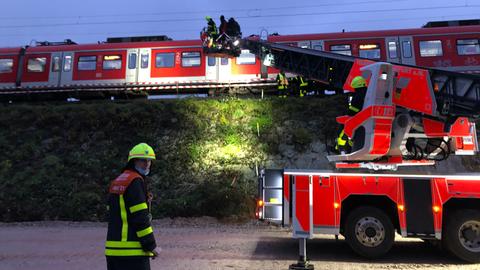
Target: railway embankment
{"x":58,"y":159}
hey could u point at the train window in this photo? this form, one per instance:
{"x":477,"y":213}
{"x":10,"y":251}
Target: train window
{"x":407,"y":49}
{"x":223,"y":61}
{"x":246,"y":58}
{"x":431,"y":48}
{"x":318,"y":47}
{"x":132,"y":61}
{"x":36,"y":64}
{"x":6,"y":65}
{"x":67,"y":63}
{"x":468,"y":46}
{"x":392,"y":49}
{"x":87,"y":63}
{"x":211,"y":61}
{"x":112,"y":62}
{"x":341,"y":49}
{"x":144,"y":60}
{"x":163,"y":60}
{"x":371,"y":51}
{"x":56,"y":64}
{"x":190,"y":59}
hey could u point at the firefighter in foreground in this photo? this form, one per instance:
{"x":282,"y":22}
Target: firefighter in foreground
{"x":344,"y":143}
{"x":130,"y":240}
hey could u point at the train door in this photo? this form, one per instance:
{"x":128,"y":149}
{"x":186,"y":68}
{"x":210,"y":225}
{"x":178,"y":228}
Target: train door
{"x":393,"y":50}
{"x":67,"y":66}
{"x":318,"y":45}
{"x":212,"y":71}
{"x":132,"y":66}
{"x":55,"y":69}
{"x":224,"y":69}
{"x":144,"y":65}
{"x":406,"y":48}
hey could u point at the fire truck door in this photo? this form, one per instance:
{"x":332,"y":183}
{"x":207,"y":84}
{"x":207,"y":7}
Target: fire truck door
{"x":302,"y":202}
{"x":271,"y":193}
{"x":418,"y":207}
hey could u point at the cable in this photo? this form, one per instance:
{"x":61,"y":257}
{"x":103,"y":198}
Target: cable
{"x":166,"y":31}
{"x":201,"y":12}
{"x":238,"y":17}
{"x":416,"y":152}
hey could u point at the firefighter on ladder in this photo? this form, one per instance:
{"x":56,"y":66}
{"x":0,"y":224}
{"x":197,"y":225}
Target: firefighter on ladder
{"x":344,"y":143}
{"x":130,"y":241}
{"x":212,"y":31}
{"x":282,"y":84}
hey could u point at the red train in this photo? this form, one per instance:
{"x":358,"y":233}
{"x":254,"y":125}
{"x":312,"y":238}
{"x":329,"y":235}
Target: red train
{"x":179,"y":65}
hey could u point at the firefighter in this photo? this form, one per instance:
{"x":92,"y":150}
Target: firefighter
{"x":223,"y":25}
{"x":130,"y":240}
{"x":302,"y":85}
{"x":233,"y":28}
{"x":212,"y":31}
{"x":355,"y":105}
{"x":282,"y":84}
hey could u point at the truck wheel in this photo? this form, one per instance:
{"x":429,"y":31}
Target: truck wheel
{"x":462,"y":235}
{"x":369,"y":232}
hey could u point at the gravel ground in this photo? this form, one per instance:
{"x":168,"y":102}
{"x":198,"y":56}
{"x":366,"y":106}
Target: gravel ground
{"x":201,"y":243}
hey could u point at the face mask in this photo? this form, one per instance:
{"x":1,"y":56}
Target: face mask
{"x":142,"y":171}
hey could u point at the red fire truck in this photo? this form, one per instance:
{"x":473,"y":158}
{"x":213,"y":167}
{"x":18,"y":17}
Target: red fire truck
{"x":411,"y":117}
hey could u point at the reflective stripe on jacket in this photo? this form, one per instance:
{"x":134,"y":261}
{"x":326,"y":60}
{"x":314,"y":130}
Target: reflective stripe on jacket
{"x":303,"y":83}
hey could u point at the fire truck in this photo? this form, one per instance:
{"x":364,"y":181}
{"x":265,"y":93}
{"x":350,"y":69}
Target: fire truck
{"x":411,"y":117}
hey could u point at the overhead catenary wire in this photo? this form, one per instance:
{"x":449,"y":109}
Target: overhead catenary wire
{"x":238,"y":17}
{"x":201,"y":11}
{"x":276,"y":27}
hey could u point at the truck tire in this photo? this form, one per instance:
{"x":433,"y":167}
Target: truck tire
{"x":461,"y":235}
{"x":369,"y":232}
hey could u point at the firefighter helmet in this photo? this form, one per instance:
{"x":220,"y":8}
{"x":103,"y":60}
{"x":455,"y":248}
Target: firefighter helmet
{"x":358,"y":82}
{"x":141,"y":150}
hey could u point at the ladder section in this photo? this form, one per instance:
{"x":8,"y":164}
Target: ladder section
{"x":457,"y":94}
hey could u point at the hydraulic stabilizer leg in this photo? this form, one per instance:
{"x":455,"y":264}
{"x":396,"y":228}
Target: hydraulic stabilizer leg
{"x":302,"y":263}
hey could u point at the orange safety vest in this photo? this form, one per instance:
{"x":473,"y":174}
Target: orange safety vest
{"x":121,"y":183}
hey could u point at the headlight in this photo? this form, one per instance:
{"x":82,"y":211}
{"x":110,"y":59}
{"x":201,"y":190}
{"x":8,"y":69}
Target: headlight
{"x":236,"y":42}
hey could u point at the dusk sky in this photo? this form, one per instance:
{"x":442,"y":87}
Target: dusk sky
{"x":89,"y":21}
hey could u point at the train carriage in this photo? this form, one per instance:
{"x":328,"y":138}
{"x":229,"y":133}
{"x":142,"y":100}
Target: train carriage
{"x":182,"y":65}
{"x":454,"y":48}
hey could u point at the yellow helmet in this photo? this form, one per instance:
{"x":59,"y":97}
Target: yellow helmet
{"x":141,"y":150}
{"x":358,"y":82}
{"x":207,"y":18}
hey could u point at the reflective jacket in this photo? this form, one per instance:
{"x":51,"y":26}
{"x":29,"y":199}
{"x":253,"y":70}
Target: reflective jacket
{"x":358,"y":99}
{"x":129,"y":229}
{"x":282,"y":81}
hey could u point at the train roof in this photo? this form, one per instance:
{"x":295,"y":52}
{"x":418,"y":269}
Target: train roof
{"x":281,"y":38}
{"x":378,"y":33}
{"x":114,"y":46}
{"x":13,"y":50}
